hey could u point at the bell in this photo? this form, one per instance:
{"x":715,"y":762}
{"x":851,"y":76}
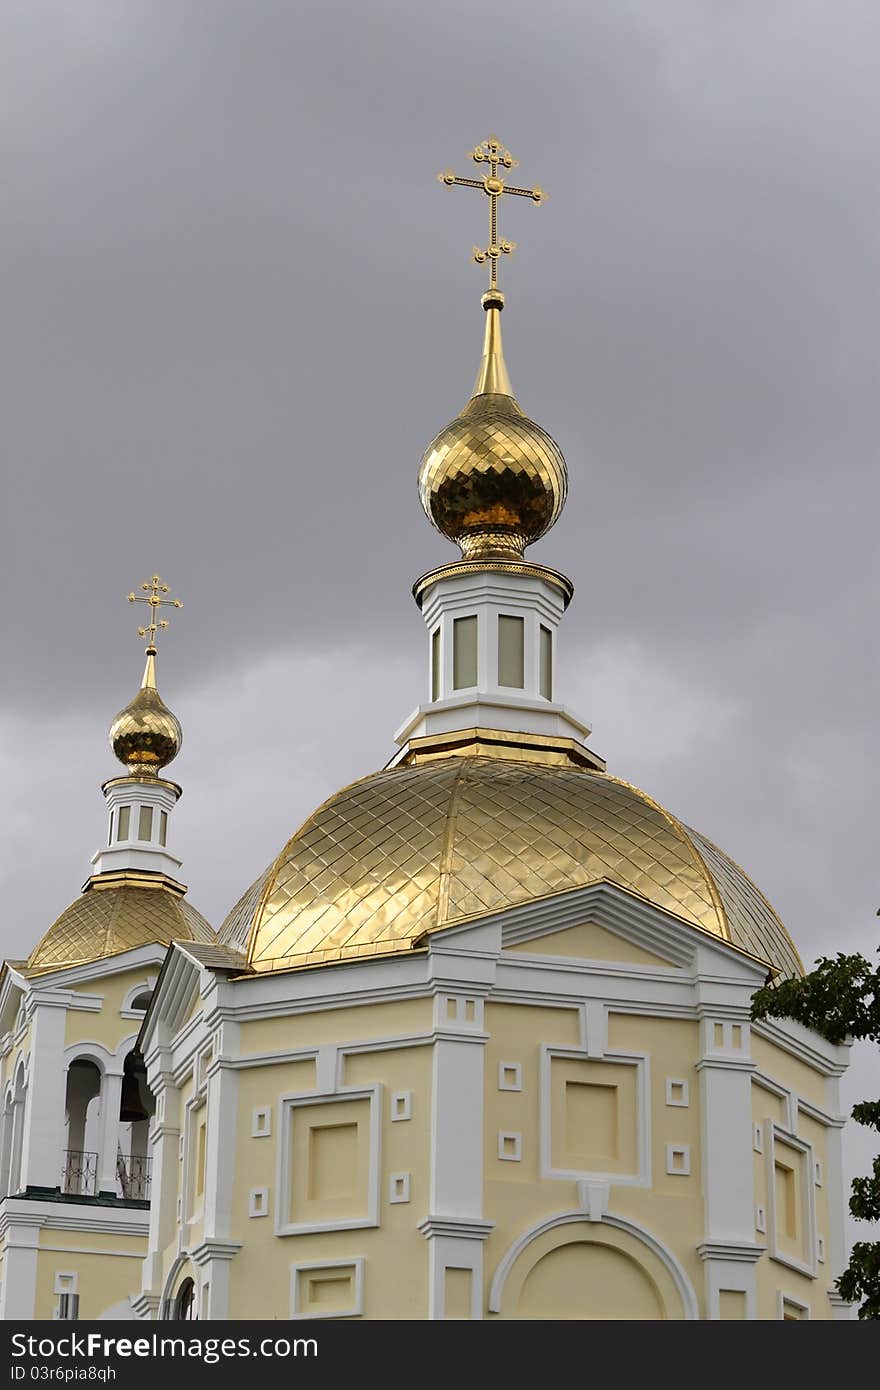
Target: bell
{"x":136,"y":1103}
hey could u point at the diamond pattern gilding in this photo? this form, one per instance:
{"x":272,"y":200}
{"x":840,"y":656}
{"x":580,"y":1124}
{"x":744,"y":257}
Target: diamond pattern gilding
{"x":754,"y":925}
{"x":237,"y":924}
{"x":418,"y":847}
{"x":413,"y":848}
{"x":105,"y":921}
{"x":492,"y":467}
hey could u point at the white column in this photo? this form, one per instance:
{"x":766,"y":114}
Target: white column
{"x":220,"y":1154}
{"x":19,"y":1292}
{"x":213,"y":1258}
{"x":6,"y":1148}
{"x":43,"y":1138}
{"x":729,"y":1250}
{"x":18,"y":1112}
{"x":455,"y":1228}
{"x":111,"y":1097}
{"x":165,"y":1180}
{"x":838,"y":1201}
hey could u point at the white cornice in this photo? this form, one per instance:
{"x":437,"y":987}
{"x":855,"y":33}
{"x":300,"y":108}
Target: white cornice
{"x":831,"y":1059}
{"x":720,"y":1063}
{"x":151,"y":954}
{"x":72,"y":1216}
{"x":463,"y":1227}
{"x":744,"y":1252}
{"x":214,"y":1250}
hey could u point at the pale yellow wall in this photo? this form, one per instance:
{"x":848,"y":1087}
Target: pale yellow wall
{"x":773,"y":1275}
{"x":677,"y":1218}
{"x":93,"y":1240}
{"x":588,"y":942}
{"x":103,"y":1279}
{"x":516,"y":1197}
{"x":588,"y":1272}
{"x":106,"y":1027}
{"x":789,"y":1071}
{"x":396,"y":1271}
{"x":336,"y":1026}
{"x":817,"y":1135}
{"x":21,"y":1049}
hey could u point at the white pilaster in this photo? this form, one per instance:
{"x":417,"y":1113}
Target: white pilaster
{"x":165,"y":1181}
{"x":455,"y":1229}
{"x":111,"y":1096}
{"x":213,"y":1258}
{"x":43,"y":1130}
{"x":729,"y":1249}
{"x":19,"y":1291}
{"x":837,"y":1202}
{"x":222,"y":1116}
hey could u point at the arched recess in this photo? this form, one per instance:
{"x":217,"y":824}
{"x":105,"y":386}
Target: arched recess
{"x":571,"y":1267}
{"x":79,"y":1172}
{"x":138,"y":997}
{"x":180,"y":1295}
{"x":136,"y":1110}
{"x":12,"y":1156}
{"x":6,"y":1140}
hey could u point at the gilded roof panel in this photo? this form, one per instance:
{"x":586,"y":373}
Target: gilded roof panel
{"x":758,"y":929}
{"x":105,"y":921}
{"x":426,"y":845}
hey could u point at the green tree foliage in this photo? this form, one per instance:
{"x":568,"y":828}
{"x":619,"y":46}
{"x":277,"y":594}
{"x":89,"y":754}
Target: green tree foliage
{"x":841,"y":1000}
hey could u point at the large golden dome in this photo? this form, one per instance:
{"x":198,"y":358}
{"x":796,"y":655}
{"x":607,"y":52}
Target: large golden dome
{"x":493,"y":480}
{"x":115,"y":914}
{"x":146,"y":736}
{"x":429,"y":844}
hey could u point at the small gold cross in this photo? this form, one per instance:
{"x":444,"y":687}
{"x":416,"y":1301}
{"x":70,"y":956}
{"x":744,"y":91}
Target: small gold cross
{"x":493,"y":153}
{"x":153,"y":591}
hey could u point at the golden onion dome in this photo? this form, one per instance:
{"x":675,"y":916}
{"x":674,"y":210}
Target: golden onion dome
{"x":493,"y":480}
{"x":430,"y":844}
{"x":146,"y":736}
{"x":116,"y":913}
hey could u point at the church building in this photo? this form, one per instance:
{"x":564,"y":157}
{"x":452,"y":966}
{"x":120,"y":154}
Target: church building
{"x":476,"y":1044}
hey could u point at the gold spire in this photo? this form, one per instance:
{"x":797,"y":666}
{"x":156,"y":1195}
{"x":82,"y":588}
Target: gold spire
{"x":493,"y":480}
{"x":493,"y":153}
{"x":146,"y":735}
{"x":492,"y":378}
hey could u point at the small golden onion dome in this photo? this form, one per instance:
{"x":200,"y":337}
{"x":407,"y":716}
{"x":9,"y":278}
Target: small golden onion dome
{"x":493,"y":480}
{"x":146,"y":736}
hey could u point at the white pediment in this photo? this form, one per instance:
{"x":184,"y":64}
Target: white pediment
{"x":589,"y":941}
{"x":604,"y":924}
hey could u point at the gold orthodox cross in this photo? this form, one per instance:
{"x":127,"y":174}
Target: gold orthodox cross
{"x":153,"y":591}
{"x":493,"y":153}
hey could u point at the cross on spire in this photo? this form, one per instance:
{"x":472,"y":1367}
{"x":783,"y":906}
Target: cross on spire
{"x":493,"y":153}
{"x":152,"y":595}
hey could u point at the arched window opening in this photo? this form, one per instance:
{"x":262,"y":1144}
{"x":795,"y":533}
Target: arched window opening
{"x":79,"y":1172}
{"x":142,"y":1001}
{"x":136,"y":1109}
{"x":183,"y":1308}
{"x":6,"y":1144}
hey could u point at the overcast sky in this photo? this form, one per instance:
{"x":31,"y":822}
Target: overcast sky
{"x":237,"y":305}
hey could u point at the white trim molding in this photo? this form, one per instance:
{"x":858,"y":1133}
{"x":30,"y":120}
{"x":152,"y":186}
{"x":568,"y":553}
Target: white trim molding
{"x":355,"y":1263}
{"x":300,"y":1100}
{"x":637,"y":1061}
{"x":683,"y":1286}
